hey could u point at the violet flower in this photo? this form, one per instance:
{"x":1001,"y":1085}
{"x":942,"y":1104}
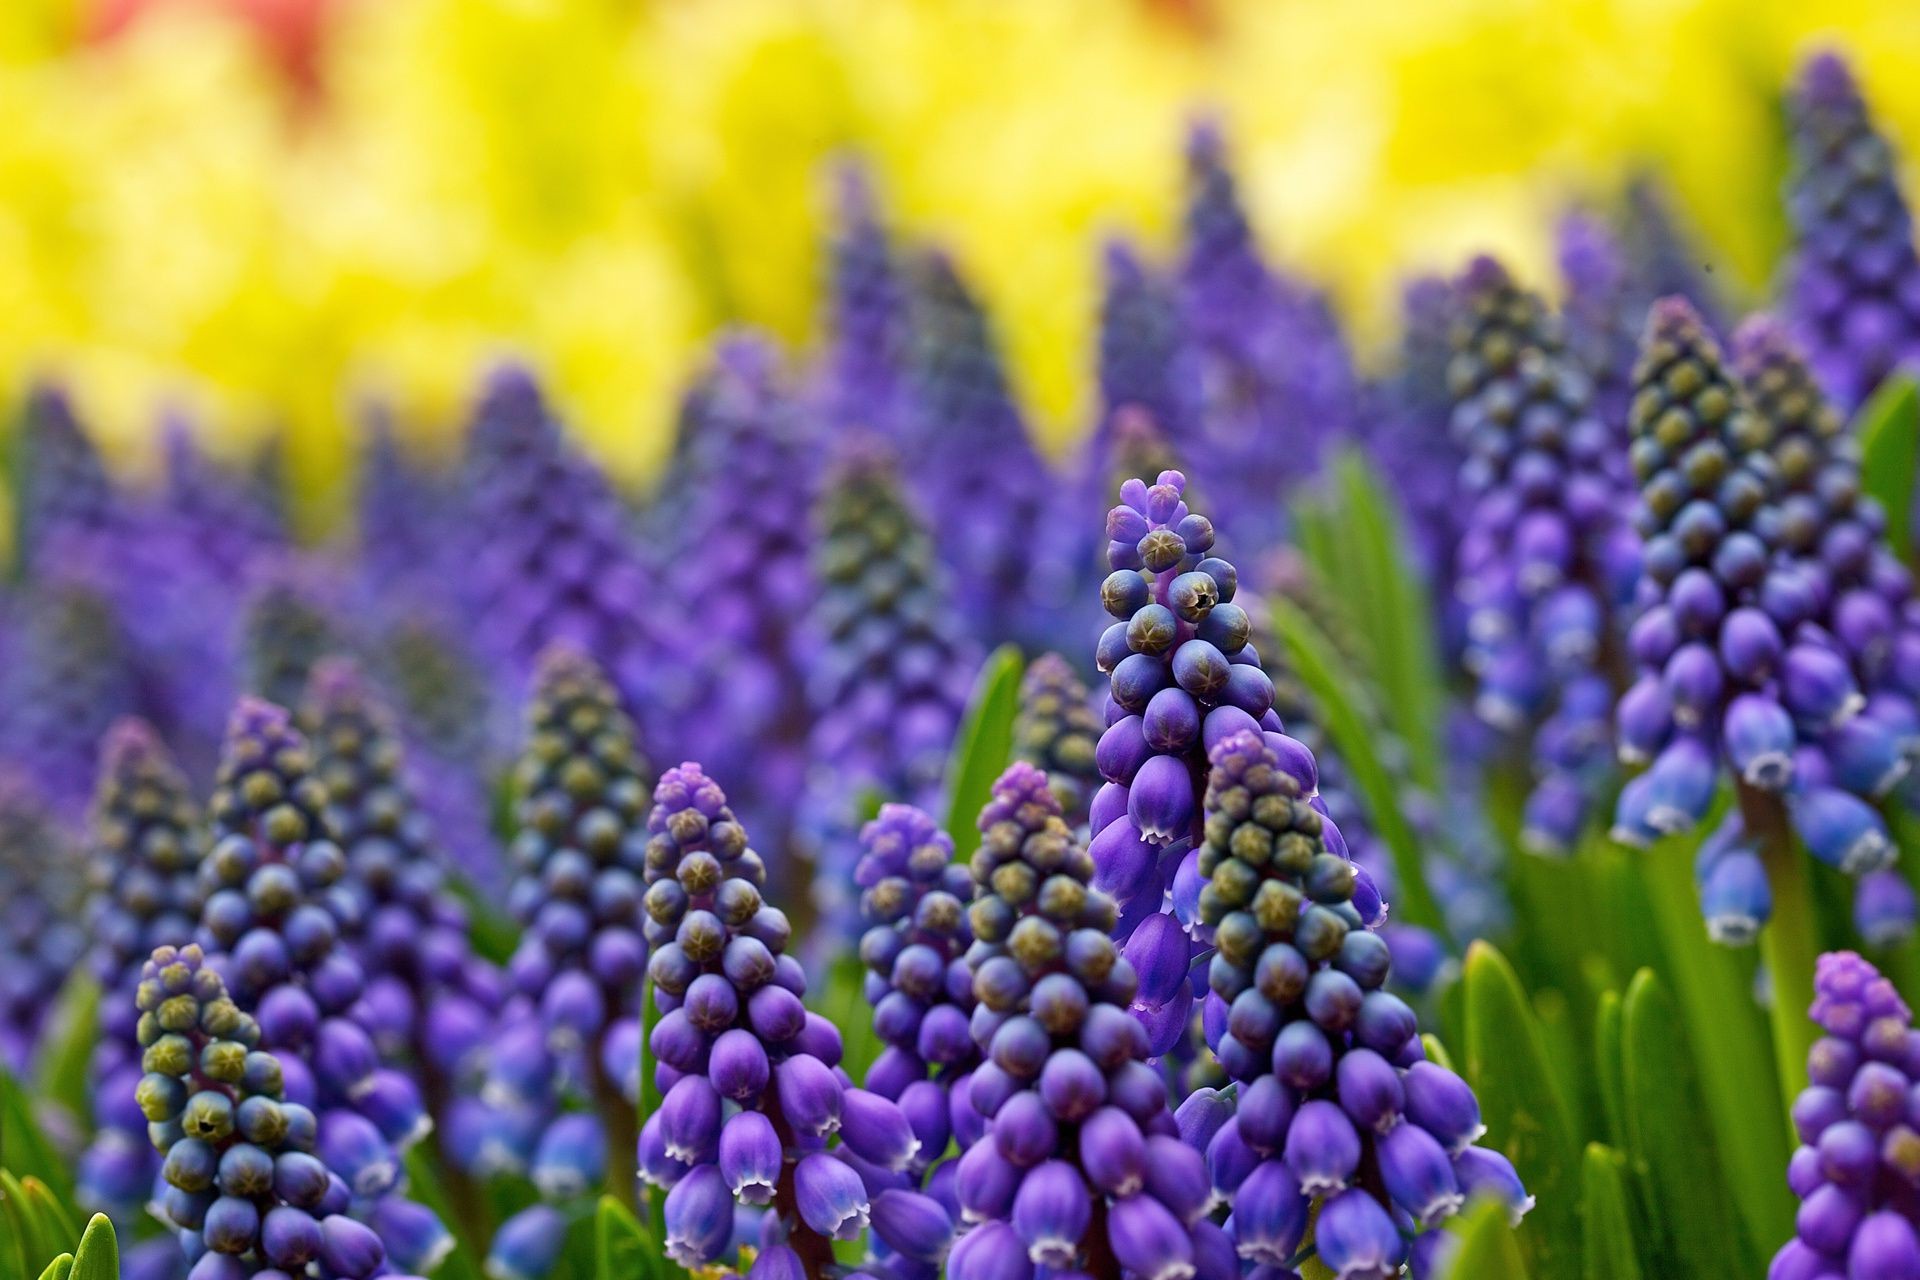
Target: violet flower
{"x":40,"y":939}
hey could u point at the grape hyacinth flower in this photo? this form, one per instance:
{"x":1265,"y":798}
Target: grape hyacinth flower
{"x":1058,"y":731}
{"x":405,"y":544}
{"x":72,"y":676}
{"x":1081,"y":1167}
{"x":892,"y":664}
{"x":1145,"y":367}
{"x":863,"y":376}
{"x":274,"y":921}
{"x":1409,"y":441}
{"x":1337,"y":1106}
{"x":1545,"y":554}
{"x":248,"y":1185}
{"x":1859,"y":1156}
{"x":751,"y":1097}
{"x":40,"y":941}
{"x":143,"y":858}
{"x":1854,"y":289}
{"x":1603,"y":310}
{"x":914,"y":897}
{"x":976,"y":472}
{"x":431,"y":1000}
{"x":65,"y":497}
{"x":1729,"y":672}
{"x":292,"y":623}
{"x":744,"y":486}
{"x":1662,"y":256}
{"x":224,"y":523}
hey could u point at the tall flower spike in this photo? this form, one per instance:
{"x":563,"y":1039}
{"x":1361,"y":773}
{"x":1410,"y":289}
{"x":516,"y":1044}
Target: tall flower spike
{"x":212,"y":507}
{"x":751,"y":1096}
{"x":1057,"y":731}
{"x":863,"y":374}
{"x":246,"y":1180}
{"x":1662,"y":256}
{"x":143,"y":857}
{"x":745,"y":487}
{"x":1854,"y":291}
{"x":65,"y":495}
{"x":273,"y":920}
{"x":893,"y":664}
{"x":1408,"y":437}
{"x":975,"y":468}
{"x":292,"y":621}
{"x":1333,"y":1080}
{"x":1143,"y":366}
{"x":1859,"y":1156}
{"x":913,"y":898}
{"x":1864,"y":605}
{"x":1081,"y":1168}
{"x":406,"y":542}
{"x":72,"y":676}
{"x":1603,"y":309}
{"x":1545,"y":553}
{"x":40,"y":941}
{"x":431,"y":998}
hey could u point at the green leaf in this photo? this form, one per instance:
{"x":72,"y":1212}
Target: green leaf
{"x":1609,"y":1066}
{"x":494,"y":934}
{"x":622,"y":1249}
{"x":1489,"y":1248}
{"x":39,"y":1236}
{"x":1320,"y":669}
{"x":67,"y":1048}
{"x":1607,"y":1239}
{"x":1668,"y":1130}
{"x":28,"y":1151}
{"x":1888,"y":428}
{"x":56,"y":1224}
{"x":61,"y":1268}
{"x":16,"y":1232}
{"x":984,"y":746}
{"x":1526,"y":1113}
{"x":98,"y":1257}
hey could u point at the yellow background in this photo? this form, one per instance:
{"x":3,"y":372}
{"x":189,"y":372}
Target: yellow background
{"x":599,"y":184}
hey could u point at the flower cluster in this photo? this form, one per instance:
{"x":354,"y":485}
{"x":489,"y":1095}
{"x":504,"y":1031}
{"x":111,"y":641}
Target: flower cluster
{"x":143,"y":858}
{"x":246,"y":1180}
{"x":1544,"y":554}
{"x":751,"y":1098}
{"x":274,"y":915}
{"x":1081,"y":1168}
{"x":1859,"y":1156}
{"x":292,"y":621}
{"x":1855,"y":284}
{"x":863,"y":376}
{"x":1337,"y":1104}
{"x":66,"y":500}
{"x":428,"y":998}
{"x":914,"y":898}
{"x":1409,"y":439}
{"x":1181,"y":675}
{"x":1057,"y":731}
{"x":72,"y":676}
{"x":982,"y":482}
{"x":40,"y":941}
{"x":891,"y":665}
{"x":1728,"y":666}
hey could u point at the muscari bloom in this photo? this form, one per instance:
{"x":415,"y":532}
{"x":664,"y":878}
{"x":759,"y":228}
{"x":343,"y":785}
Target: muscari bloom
{"x":72,"y":674}
{"x":1731,"y":675}
{"x":744,"y":486}
{"x":751,"y":1095}
{"x":143,"y":857}
{"x":292,"y":621}
{"x":1409,"y":440}
{"x":1858,"y":1164}
{"x":40,"y":939}
{"x":1545,"y":554}
{"x":1057,"y":731}
{"x":1863,"y":603}
{"x":862,"y":381}
{"x":975,"y":469}
{"x":1081,"y":1167}
{"x":274,"y":920}
{"x":1854,"y":288}
{"x":1337,"y":1105}
{"x":914,"y":897}
{"x":246,"y":1182}
{"x":1603,"y":308}
{"x":430,"y":999}
{"x":891,"y":665}
{"x":64,"y":494}
{"x":1661,"y":255}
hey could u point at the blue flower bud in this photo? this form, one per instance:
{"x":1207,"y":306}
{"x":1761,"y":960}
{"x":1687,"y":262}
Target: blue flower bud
{"x":830,"y":1198}
{"x":876,"y":1129}
{"x":699,"y":1216}
{"x":1443,"y":1104}
{"x":1051,"y":1213}
{"x":810,"y":1095}
{"x":1113,"y":1152}
{"x":1024,"y":1130}
{"x":416,"y":1240}
{"x":1841,"y":830}
{"x":690,"y":1118}
{"x":1818,"y":687}
{"x":1269,"y":1215}
{"x":1479,"y":1171}
{"x":991,"y":1251}
{"x":985,"y":1182}
{"x":1415,"y":1171}
{"x":1160,"y":799}
{"x":1884,"y":908}
{"x":912,"y":1224}
{"x":571,"y":1158}
{"x":1760,"y":741}
{"x":349,"y":1249}
{"x":1148,"y":1240}
{"x":1356,"y":1237}
{"x":230,"y":1225}
{"x":1322,"y":1148}
{"x":1177,"y":1177}
{"x":353,"y":1148}
{"x":1735,"y":897}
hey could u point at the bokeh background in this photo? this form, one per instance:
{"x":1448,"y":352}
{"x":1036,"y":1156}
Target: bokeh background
{"x":269,"y":213}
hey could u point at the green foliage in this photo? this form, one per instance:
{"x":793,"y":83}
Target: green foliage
{"x":1888,"y":428}
{"x":1607,"y":1240}
{"x":983,"y":747}
{"x":622,"y":1248}
{"x":1489,"y":1247}
{"x":1524,"y":1105}
{"x":61,"y":1268}
{"x":67,"y":1047}
{"x":98,"y":1257}
{"x":28,"y":1152}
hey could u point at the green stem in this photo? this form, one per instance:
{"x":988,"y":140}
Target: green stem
{"x":1789,"y":944}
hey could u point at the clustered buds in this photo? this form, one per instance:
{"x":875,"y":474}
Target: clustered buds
{"x":39,"y":941}
{"x":246,"y":1180}
{"x":1058,"y":731}
{"x":1544,"y":554}
{"x":1855,"y":282}
{"x":143,"y":893}
{"x":428,"y":997}
{"x":1182,"y":675}
{"x":1858,"y":1163}
{"x":1082,"y":1168}
{"x":751,"y":1094}
{"x":274,"y":919}
{"x":1337,"y":1103}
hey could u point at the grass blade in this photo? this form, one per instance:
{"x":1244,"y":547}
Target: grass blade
{"x":984,"y":746}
